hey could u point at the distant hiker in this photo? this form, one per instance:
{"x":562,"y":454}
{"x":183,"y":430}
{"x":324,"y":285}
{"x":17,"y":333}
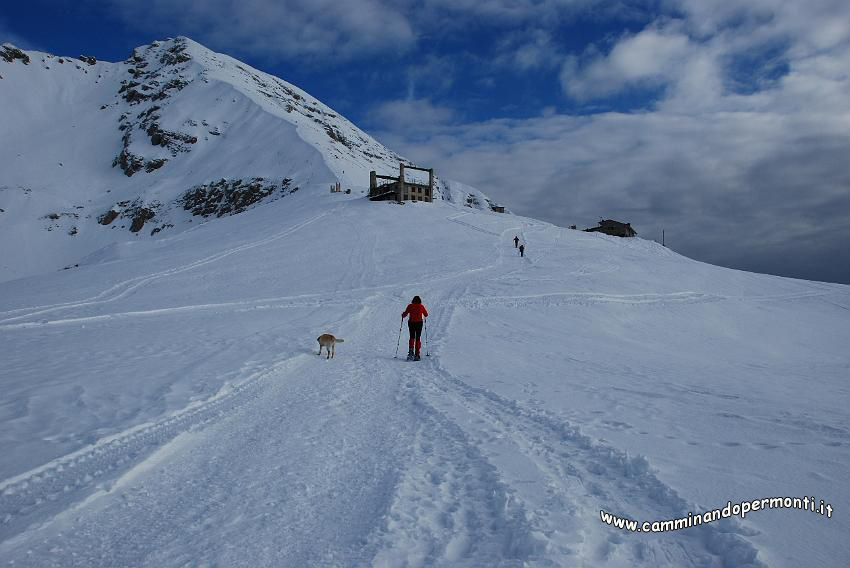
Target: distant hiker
{"x":417,"y":312}
{"x":522,"y":250}
{"x":516,"y":241}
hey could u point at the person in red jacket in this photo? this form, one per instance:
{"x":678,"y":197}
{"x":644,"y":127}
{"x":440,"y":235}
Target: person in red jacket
{"x":417,"y":313}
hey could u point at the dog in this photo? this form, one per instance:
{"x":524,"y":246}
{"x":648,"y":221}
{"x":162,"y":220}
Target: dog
{"x":329,"y":342}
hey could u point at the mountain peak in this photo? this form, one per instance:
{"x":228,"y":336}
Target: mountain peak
{"x":100,"y":151}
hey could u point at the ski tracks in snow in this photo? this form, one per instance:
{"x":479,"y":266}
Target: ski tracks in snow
{"x":50,"y":488}
{"x":124,"y":288}
{"x":562,"y":478}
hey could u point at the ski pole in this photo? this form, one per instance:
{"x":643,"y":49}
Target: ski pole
{"x":427,"y":353}
{"x":399,"y":339}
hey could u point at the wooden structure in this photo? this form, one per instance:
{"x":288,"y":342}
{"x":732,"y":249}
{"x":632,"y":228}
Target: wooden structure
{"x":613,"y":228}
{"x":389,"y":188}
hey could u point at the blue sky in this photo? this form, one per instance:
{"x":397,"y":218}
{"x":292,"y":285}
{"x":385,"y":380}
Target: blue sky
{"x":725,"y":123}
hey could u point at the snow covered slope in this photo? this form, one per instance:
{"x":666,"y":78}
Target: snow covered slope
{"x":95,"y":153}
{"x":164,"y":405}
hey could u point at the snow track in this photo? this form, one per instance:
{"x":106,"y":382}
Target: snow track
{"x":126,"y":287}
{"x":49,"y":488}
{"x":577,"y":474}
{"x":451,"y":507}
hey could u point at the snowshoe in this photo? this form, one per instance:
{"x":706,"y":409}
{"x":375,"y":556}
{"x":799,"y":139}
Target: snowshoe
{"x":410,"y":355}
{"x":416,"y":357}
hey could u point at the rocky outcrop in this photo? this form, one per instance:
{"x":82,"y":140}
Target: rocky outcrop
{"x":156,"y":73}
{"x":87,"y":59}
{"x":176,"y":54}
{"x":9,"y":53}
{"x":228,"y":197}
{"x":152,"y":165}
{"x":129,"y":162}
{"x":136,"y":211}
{"x":214,"y":199}
{"x":108,"y":217}
{"x":142,"y":215}
{"x":174,"y":141}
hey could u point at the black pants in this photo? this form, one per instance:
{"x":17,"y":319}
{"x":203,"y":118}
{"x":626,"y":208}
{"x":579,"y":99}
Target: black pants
{"x":415,"y":328}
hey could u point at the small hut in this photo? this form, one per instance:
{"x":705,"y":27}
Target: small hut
{"x":613,"y":228}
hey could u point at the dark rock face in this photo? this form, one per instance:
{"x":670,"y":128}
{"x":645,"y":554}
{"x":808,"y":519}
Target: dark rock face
{"x":87,"y":59}
{"x":213,"y":199}
{"x":228,"y":197}
{"x":155,"y":73}
{"x":9,"y":54}
{"x":142,"y":215}
{"x":174,"y":141}
{"x":108,"y":217}
{"x":175,"y":55}
{"x":130,"y":163}
{"x":155,"y":230}
{"x":138,"y":212}
{"x":154,"y":164}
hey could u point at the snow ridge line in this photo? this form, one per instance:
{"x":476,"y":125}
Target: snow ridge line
{"x":721,"y":539}
{"x":23,"y":494}
{"x":121,"y":289}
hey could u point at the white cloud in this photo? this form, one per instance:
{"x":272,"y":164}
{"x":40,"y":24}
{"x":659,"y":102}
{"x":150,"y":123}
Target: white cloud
{"x":744,"y":177}
{"x":409,"y":116}
{"x":333,"y":29}
{"x":280,"y":28}
{"x":529,"y":49}
{"x":650,"y":58}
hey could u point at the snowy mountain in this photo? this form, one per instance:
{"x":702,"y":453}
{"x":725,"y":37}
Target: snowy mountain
{"x":163,"y":404}
{"x":176,"y":134}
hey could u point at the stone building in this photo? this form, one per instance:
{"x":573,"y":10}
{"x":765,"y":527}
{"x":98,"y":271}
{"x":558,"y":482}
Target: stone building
{"x":613,"y":228}
{"x":390,"y":188}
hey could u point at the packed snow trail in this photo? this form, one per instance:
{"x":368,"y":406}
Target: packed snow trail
{"x":341,"y":463}
{"x":239,"y":446}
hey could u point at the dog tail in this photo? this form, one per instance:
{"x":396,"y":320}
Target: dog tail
{"x":338,"y":340}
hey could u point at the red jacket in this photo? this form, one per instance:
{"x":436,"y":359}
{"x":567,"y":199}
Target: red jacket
{"x":415,"y":311}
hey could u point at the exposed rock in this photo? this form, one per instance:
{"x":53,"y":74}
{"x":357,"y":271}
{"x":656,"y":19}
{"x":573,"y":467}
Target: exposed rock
{"x":154,"y":164}
{"x":137,"y":211}
{"x":142,"y":215}
{"x":163,"y":227}
{"x":10,"y":53}
{"x":87,"y":59}
{"x":174,"y":141}
{"x":108,"y":217}
{"x":133,"y":96}
{"x":225,"y":197}
{"x":130,"y":163}
{"x":175,"y":55}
